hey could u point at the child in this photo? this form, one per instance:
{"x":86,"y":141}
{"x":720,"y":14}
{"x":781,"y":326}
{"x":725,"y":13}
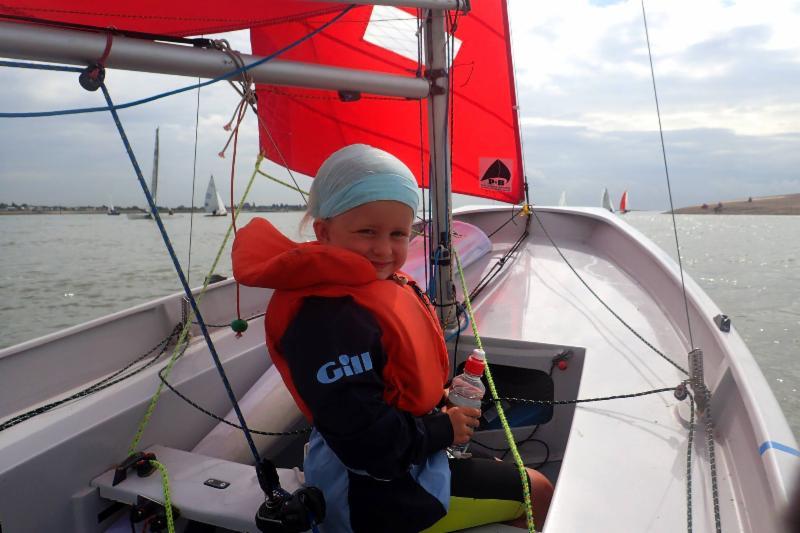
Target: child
{"x":362,"y":352}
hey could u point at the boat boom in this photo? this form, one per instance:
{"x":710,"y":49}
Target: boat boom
{"x":73,"y":47}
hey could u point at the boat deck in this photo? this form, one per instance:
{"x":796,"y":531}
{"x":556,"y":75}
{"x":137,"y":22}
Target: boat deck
{"x":620,"y":465}
{"x":624,"y":467}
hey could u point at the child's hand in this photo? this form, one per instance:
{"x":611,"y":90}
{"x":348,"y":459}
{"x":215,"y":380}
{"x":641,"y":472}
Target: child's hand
{"x":464,"y":421}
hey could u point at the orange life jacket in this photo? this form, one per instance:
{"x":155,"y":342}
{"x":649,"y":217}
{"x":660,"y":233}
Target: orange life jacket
{"x":417,"y":360}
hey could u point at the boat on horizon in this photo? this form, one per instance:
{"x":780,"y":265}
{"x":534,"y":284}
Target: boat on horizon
{"x":605,"y":201}
{"x":111,"y":209}
{"x":623,"y":203}
{"x":214,"y":206}
{"x":619,"y":375}
{"x":146,"y":215}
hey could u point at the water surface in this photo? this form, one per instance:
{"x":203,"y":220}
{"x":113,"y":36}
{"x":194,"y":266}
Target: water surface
{"x":57,"y":271}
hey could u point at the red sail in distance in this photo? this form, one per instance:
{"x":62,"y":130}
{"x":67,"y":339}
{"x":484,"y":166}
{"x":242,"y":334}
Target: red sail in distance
{"x":308,"y":125}
{"x":623,"y":203}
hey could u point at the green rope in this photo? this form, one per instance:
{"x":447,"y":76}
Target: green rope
{"x":185,"y":331}
{"x":523,"y":473}
{"x":276,"y":180}
{"x":167,"y":500}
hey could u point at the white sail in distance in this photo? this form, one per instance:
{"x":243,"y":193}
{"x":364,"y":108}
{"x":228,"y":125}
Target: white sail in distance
{"x":606,"y":202}
{"x":214,"y":205}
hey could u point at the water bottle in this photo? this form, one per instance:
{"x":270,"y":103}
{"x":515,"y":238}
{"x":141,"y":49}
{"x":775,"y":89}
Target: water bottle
{"x":467,"y":390}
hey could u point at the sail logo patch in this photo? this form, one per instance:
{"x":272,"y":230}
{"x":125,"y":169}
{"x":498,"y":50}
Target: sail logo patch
{"x":495,"y":174}
{"x":345,"y":365}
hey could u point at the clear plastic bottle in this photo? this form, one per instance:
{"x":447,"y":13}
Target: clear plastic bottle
{"x":467,"y":390}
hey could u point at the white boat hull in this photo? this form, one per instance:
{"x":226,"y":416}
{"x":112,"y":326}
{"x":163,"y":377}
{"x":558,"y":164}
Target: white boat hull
{"x":633,"y":449}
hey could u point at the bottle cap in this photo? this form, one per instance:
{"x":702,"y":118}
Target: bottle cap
{"x":474,"y":365}
{"x":479,"y":354}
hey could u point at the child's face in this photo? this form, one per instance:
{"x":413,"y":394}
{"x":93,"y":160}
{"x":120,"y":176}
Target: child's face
{"x":378,"y":230}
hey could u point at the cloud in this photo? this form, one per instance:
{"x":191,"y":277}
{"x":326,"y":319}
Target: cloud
{"x":80,"y":160}
{"x":704,"y":165}
{"x":727,"y":76}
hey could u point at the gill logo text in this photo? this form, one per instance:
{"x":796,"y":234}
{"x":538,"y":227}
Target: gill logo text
{"x":345,"y":366}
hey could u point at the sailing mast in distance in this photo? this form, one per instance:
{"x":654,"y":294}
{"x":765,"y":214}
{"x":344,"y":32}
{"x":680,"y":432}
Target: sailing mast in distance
{"x":146,"y":215}
{"x":154,"y":177}
{"x":623,"y":203}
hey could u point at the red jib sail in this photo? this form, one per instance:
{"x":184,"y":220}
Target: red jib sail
{"x":623,"y":202}
{"x":308,"y":125}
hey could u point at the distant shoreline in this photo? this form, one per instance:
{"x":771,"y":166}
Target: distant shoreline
{"x":46,"y":210}
{"x":785,"y":204}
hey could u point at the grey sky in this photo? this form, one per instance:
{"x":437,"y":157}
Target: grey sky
{"x":727,"y":75}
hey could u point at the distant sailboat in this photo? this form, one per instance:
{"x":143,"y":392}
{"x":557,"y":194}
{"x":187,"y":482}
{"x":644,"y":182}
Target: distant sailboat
{"x":214,"y":205}
{"x":623,"y":203}
{"x":606,"y":203}
{"x":563,"y":200}
{"x":153,"y":185}
{"x":111,"y":209}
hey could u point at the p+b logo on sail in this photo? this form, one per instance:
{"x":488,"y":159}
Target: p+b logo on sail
{"x":347,"y":366}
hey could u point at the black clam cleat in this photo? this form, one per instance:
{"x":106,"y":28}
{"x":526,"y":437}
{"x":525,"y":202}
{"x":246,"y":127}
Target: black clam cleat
{"x":723,"y":322}
{"x":139,"y":461}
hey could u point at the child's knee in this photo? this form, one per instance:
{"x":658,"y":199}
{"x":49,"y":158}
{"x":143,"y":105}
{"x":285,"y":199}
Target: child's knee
{"x":539,"y":481}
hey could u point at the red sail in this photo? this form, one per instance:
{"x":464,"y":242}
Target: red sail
{"x":623,"y":202}
{"x":175,"y":17}
{"x":308,"y":125}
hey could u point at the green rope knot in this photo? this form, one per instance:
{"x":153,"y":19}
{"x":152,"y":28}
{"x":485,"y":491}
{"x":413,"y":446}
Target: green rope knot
{"x":239,"y":325}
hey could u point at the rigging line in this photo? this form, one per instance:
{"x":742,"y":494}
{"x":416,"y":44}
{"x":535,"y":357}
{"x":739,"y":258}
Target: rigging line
{"x":498,"y":266}
{"x":181,"y":276}
{"x":504,"y":224}
{"x":712,"y":461}
{"x":165,"y":489}
{"x":103,"y":383}
{"x":248,"y":319}
{"x":451,"y":24}
{"x":249,"y":98}
{"x":583,"y":400}
{"x":223,"y":420}
{"x":425,"y":230}
{"x":608,"y":308}
{"x":125,"y":33}
{"x":276,"y":180}
{"x":38,"y":66}
{"x":669,"y":186}
{"x":689,"y":444}
{"x":262,"y":124}
{"x":178,"y":352}
{"x":233,"y":200}
{"x":194,"y":175}
{"x":526,"y":489}
{"x":159,"y":96}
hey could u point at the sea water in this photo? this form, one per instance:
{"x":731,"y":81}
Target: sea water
{"x":57,"y":271}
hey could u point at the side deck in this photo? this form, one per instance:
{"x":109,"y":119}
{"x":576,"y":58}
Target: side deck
{"x":624,"y":467}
